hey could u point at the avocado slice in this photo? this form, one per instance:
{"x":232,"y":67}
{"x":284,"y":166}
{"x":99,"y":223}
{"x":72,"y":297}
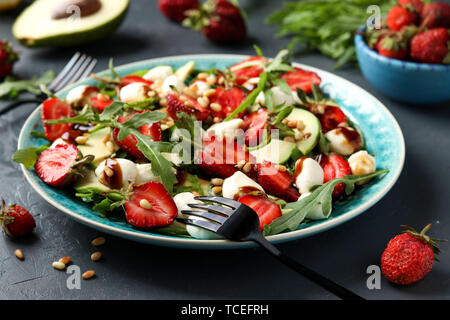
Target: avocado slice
{"x":312,"y":129}
{"x":89,"y":183}
{"x":276,"y":151}
{"x":35,"y":26}
{"x":96,"y":147}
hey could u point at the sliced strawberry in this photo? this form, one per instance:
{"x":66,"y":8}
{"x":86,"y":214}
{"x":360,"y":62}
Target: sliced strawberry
{"x":55,"y":165}
{"x":149,"y":206}
{"x":302,"y":79}
{"x":254,"y":123}
{"x":276,"y":182}
{"x":174,"y":105}
{"x":55,"y":109}
{"x":266,"y":209}
{"x":218,"y":158}
{"x":131,"y":79}
{"x":334,"y":167}
{"x":101,"y":104}
{"x":245,"y":73}
{"x":129,"y":143}
{"x":331,"y":119}
{"x":229,"y":99}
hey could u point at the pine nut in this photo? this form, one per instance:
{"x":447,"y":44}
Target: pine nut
{"x":211,"y":80}
{"x":215,"y":107}
{"x":298,"y":135}
{"x":65,"y":260}
{"x":202,"y":76}
{"x":221,"y":80}
{"x":108,"y":171}
{"x":81,"y":139}
{"x":96,"y":256}
{"x":98,"y":241}
{"x":106,"y":138}
{"x":292,"y":123}
{"x":320,"y":109}
{"x":151,"y":94}
{"x":300,"y":125}
{"x":163,"y":102}
{"x":240,"y":164}
{"x":183,"y":98}
{"x":188,"y":91}
{"x":145,"y":204}
{"x":217,"y":181}
{"x":209,"y":92}
{"x":289,"y":139}
{"x":110,"y":146}
{"x":281,"y":168}
{"x":88,"y":274}
{"x":285,"y":121}
{"x":195,"y":193}
{"x":189,"y":103}
{"x":102,"y":97}
{"x":247,"y":167}
{"x":58,"y":265}
{"x":203,"y":101}
{"x":19,"y":254}
{"x":216,"y":190}
{"x":217,"y":120}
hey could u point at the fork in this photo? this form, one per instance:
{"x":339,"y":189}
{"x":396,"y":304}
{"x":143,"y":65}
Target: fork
{"x":79,"y":67}
{"x":237,"y":222}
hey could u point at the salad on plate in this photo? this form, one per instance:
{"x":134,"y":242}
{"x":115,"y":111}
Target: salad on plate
{"x":143,"y":146}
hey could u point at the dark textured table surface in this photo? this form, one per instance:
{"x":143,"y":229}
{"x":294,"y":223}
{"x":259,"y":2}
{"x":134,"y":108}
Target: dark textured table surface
{"x":131,"y":270}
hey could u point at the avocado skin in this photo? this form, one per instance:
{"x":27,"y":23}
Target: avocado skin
{"x":75,"y":38}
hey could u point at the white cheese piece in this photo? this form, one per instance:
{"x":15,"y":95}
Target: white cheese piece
{"x":362,"y":163}
{"x":316,"y":213}
{"x":127,"y":168}
{"x":135,"y":91}
{"x":278,"y":97}
{"x":56,"y":142}
{"x":158,"y":73}
{"x":172,"y":81}
{"x":144,"y":173}
{"x":339,"y":142}
{"x":227,"y":129}
{"x":82,"y":95}
{"x":231,"y":187}
{"x":310,"y":175}
{"x":199,"y":87}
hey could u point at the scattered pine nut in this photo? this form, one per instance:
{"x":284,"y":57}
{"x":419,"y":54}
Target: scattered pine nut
{"x":88,"y":274}
{"x":203,"y":101}
{"x":300,"y":125}
{"x":217,"y":181}
{"x":163,"y":102}
{"x":145,"y":204}
{"x":183,"y":98}
{"x":110,"y":146}
{"x":151,"y":94}
{"x":81,"y":139}
{"x":215,"y":107}
{"x":19,"y":254}
{"x":247,"y":167}
{"x":211,"y":80}
{"x":102,"y":97}
{"x":189,"y":103}
{"x":58,"y":265}
{"x":216,"y":190}
{"x":98,"y":241}
{"x":281,"y":168}
{"x":285,"y":121}
{"x":65,"y":260}
{"x":96,"y":256}
{"x":217,"y":120}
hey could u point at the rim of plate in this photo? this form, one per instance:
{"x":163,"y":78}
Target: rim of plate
{"x":173,"y":241}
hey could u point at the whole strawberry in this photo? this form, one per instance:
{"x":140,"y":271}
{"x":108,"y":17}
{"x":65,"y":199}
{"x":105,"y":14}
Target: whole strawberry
{"x":392,"y":45}
{"x":399,"y":17}
{"x":175,"y":9}
{"x":409,"y":256}
{"x":16,"y":221}
{"x":7,"y":58}
{"x":431,"y":46}
{"x":436,"y":15}
{"x":219,"y":20}
{"x":416,"y":5}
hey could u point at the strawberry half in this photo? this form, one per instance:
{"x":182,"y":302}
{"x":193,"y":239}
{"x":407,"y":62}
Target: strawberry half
{"x":55,"y":109}
{"x":334,"y":167}
{"x":276,"y":182}
{"x":149,"y":206}
{"x":101,"y":104}
{"x":129,"y":143}
{"x":302,"y":79}
{"x":16,"y":221}
{"x":59,"y":166}
{"x":332,"y":118}
{"x":242,"y":73}
{"x":132,"y":79}
{"x":174,"y":105}
{"x":229,"y":99}
{"x":266,"y":209}
{"x":254,"y":124}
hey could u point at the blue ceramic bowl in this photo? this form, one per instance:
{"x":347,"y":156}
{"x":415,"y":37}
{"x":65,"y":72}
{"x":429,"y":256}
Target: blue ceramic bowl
{"x":417,"y":83}
{"x":382,"y":133}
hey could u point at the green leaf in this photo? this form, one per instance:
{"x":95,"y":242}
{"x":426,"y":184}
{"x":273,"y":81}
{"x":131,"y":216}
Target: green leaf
{"x":282,"y":84}
{"x":28,"y":156}
{"x":258,"y":50}
{"x":112,"y":110}
{"x":12,"y":88}
{"x":141,"y":119}
{"x":87,"y":115}
{"x":324,"y":143}
{"x":322,"y":195}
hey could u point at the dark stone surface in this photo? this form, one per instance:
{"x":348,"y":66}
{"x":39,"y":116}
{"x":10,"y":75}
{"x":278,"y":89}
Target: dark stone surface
{"x":131,"y":270}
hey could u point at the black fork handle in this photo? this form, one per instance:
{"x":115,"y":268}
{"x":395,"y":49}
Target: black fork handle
{"x":18,"y":103}
{"x":325,"y":283}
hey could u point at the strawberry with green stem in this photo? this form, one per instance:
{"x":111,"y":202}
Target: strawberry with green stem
{"x":16,"y":221}
{"x":7,"y":58}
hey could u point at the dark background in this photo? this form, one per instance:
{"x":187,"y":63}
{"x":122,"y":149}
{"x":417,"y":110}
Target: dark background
{"x":132,"y":270}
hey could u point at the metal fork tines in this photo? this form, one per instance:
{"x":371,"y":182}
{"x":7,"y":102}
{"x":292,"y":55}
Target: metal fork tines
{"x":238,"y":222}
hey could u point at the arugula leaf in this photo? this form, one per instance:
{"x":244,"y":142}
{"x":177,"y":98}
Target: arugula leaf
{"x":322,"y":195}
{"x":12,"y":88}
{"x":324,"y":143}
{"x":141,"y":119}
{"x":28,"y":156}
{"x":112,"y":110}
{"x":279,"y":63}
{"x":87,"y":115}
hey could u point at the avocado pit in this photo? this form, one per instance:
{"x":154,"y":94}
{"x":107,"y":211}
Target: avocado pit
{"x":65,"y":8}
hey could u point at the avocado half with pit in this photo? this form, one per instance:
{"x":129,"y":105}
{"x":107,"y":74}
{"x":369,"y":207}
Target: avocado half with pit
{"x":56,"y":23}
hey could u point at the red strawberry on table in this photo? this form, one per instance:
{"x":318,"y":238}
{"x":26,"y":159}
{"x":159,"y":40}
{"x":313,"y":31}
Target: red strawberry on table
{"x":59,"y":166}
{"x":189,"y":106}
{"x":175,"y":9}
{"x":7,"y":59}
{"x":55,"y":109}
{"x":228,"y":99}
{"x":276,"y":181}
{"x":399,"y":16}
{"x":302,"y":79}
{"x":431,"y":46}
{"x":436,"y":15}
{"x":219,"y":20}
{"x":266,"y":208}
{"x":249,"y":68}
{"x":149,"y":206}
{"x":16,"y":221}
{"x":129,"y":143}
{"x":334,"y":167}
{"x":409,"y":256}
{"x":331,"y":118}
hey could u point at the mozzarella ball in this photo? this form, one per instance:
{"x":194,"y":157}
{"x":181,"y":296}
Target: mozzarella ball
{"x":144,"y":174}
{"x":227,"y":129}
{"x":82,"y":95}
{"x":135,"y":91}
{"x":316,"y":213}
{"x":172,"y":81}
{"x":251,"y":83}
{"x":232,"y":186}
{"x":362,"y":163}
{"x":339,"y":143}
{"x":311,"y":174}
{"x":158,"y":73}
{"x":199,"y":87}
{"x":127,"y":168}
{"x":278,"y":97}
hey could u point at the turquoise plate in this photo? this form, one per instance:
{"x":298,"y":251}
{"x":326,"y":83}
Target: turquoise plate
{"x":382,"y":133}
